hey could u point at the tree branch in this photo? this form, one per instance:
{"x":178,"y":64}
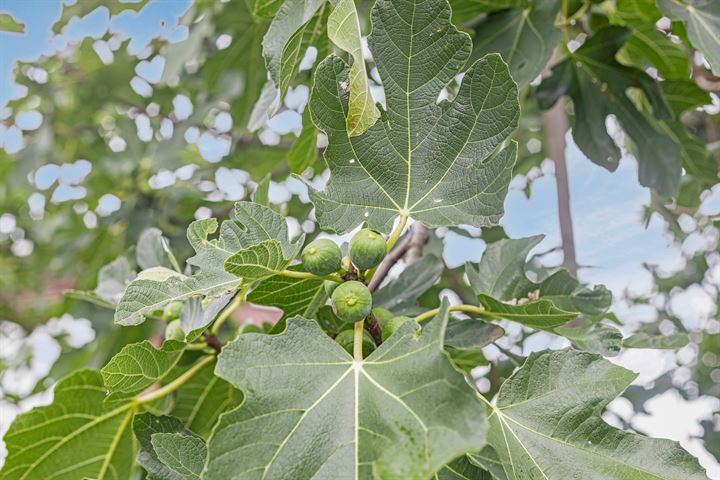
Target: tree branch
{"x":393,"y":257}
{"x":555,"y":125}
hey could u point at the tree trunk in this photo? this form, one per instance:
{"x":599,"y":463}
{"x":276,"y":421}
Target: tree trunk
{"x":555,"y":124}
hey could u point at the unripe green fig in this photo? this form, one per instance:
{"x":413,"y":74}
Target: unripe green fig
{"x":352,"y":301}
{"x":330,"y":287}
{"x":391,"y":326}
{"x":382,"y":316}
{"x":321,"y":257}
{"x":174,"y":331}
{"x":367,"y":249}
{"x":346,"y":339}
{"x":172,"y":311}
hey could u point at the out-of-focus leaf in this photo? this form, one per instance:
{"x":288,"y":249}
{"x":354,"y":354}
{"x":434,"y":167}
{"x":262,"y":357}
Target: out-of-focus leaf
{"x":151,"y":250}
{"x":400,"y":295}
{"x":648,"y":47}
{"x":593,"y":337}
{"x":703,"y":25}
{"x":683,"y":95}
{"x":313,"y":33}
{"x":666,"y":342}
{"x":291,"y":17}
{"x":525,"y":37}
{"x":471,"y":334}
{"x":637,"y":12}
{"x":85,"y":7}
{"x":262,"y":191}
{"x":464,"y":340}
{"x":598,"y":86}
{"x":464,"y":10}
{"x":10,"y":25}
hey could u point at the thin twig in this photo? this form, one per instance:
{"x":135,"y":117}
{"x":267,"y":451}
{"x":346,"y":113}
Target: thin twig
{"x":373,"y":328}
{"x":358,"y":341}
{"x":177,"y":383}
{"x":230,"y":308}
{"x":390,"y":260}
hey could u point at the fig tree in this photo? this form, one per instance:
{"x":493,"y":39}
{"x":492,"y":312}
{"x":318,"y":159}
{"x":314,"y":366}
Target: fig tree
{"x":367,"y":249}
{"x":346,"y":340}
{"x":172,"y":311}
{"x":174,"y":331}
{"x":321,"y":257}
{"x":352,"y":301}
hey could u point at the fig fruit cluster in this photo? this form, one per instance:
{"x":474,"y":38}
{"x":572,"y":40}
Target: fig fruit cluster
{"x":323,"y":256}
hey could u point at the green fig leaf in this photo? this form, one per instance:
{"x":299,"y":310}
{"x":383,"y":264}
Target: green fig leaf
{"x":598,"y":86}
{"x":138,"y":366}
{"x":525,"y":37}
{"x":77,"y":436}
{"x":339,"y":418}
{"x":547,"y":424}
{"x":703,"y":25}
{"x":250,"y":225}
{"x":441,"y":163}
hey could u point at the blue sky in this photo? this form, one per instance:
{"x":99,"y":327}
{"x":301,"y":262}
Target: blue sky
{"x":607,"y":207}
{"x":158,"y":18}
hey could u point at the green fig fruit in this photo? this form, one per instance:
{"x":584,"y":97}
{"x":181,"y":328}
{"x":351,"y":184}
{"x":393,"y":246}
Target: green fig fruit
{"x":392,"y":325}
{"x":321,"y":257}
{"x":382,"y":315}
{"x":367,"y":249}
{"x":172,"y":311}
{"x":174,"y":331}
{"x":346,"y":340}
{"x":352,"y":301}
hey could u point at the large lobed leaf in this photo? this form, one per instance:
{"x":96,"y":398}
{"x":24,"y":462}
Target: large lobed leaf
{"x":77,"y":436}
{"x":310,"y":411}
{"x":440,"y":163}
{"x":547,"y":424}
